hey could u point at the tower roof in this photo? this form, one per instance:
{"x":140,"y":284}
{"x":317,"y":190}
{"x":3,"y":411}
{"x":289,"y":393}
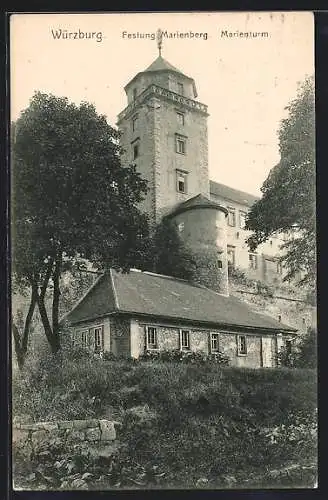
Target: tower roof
{"x":160,"y":64}
{"x":198,"y":201}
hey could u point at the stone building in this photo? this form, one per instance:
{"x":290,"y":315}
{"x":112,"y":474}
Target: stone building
{"x":129,"y":314}
{"x":164,"y":133}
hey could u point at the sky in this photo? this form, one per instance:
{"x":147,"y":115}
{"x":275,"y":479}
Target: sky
{"x":246,"y":82}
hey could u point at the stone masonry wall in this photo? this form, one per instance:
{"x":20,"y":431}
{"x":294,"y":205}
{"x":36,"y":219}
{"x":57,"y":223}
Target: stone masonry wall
{"x":93,"y":431}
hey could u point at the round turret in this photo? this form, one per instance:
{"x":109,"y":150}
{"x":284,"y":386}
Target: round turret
{"x":201,"y":224}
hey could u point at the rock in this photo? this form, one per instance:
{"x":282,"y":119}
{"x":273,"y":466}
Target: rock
{"x":39,"y":436}
{"x":19,"y":436}
{"x":65,"y":424}
{"x":84,"y":424}
{"x":79,"y":484}
{"x":107,"y":430}
{"x":50,"y":426}
{"x":76,"y":436}
{"x":203,"y":481}
{"x":92,"y":434}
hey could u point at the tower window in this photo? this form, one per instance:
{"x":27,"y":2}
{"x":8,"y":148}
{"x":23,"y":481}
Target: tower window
{"x":134,"y":94}
{"x":180,"y":144}
{"x":134,"y":123}
{"x":181,"y":227}
{"x":181,"y":181}
{"x":180,"y":89}
{"x":231,"y":216}
{"x":180,"y":118}
{"x":135,"y":151}
{"x":252,"y":261}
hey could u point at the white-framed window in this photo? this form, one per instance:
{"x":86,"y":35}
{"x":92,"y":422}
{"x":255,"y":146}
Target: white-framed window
{"x":85,"y":339}
{"x":242,"y":219}
{"x":151,"y":337}
{"x":182,"y":181}
{"x":180,"y":88}
{"x":241,"y":345}
{"x":231,"y":256}
{"x":214,"y":342}
{"x":184,"y":340}
{"x":253,"y":264}
{"x":180,"y":144}
{"x":98,"y":333}
{"x":180,"y":118}
{"x":231,"y":216}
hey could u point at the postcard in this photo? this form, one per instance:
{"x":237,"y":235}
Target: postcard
{"x":163,"y":251}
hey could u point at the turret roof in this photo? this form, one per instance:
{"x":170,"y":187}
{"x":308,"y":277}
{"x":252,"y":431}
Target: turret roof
{"x":198,"y":201}
{"x":160,"y":64}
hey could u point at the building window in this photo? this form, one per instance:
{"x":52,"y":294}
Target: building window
{"x":181,"y":181}
{"x":134,"y":94}
{"x":252,"y":261}
{"x":231,"y":216}
{"x":151,"y":337}
{"x":231,"y":257}
{"x":241,"y":344}
{"x":184,"y":339}
{"x":242,"y":219}
{"x":84,"y":339}
{"x":180,"y":118}
{"x":180,"y":89}
{"x":180,"y":144}
{"x":181,"y":227}
{"x":134,"y":123}
{"x":135,"y":151}
{"x":214,"y":342}
{"x":99,"y":338}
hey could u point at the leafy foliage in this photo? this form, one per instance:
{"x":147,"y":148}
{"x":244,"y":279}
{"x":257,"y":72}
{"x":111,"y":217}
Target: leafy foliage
{"x":185,"y":356}
{"x":288,"y":201}
{"x":70,"y":198}
{"x":165,"y":252}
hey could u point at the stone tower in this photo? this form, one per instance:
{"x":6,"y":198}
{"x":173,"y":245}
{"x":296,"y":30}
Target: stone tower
{"x":164,"y":133}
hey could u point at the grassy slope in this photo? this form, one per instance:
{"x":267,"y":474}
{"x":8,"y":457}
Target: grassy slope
{"x":220,"y":426}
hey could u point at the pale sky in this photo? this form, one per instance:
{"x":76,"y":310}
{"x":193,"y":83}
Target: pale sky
{"x":246,"y":82}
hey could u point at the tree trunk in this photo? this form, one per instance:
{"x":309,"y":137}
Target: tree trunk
{"x":56,"y":296}
{"x":52,"y":339}
{"x":21,"y":342}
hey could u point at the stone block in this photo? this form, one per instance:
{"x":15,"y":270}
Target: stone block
{"x":76,"y":435}
{"x":84,"y":424}
{"x":39,"y":436}
{"x":19,"y":436}
{"x":28,"y":427}
{"x":65,"y":424}
{"x":107,"y":429}
{"x":50,"y":426}
{"x":92,"y":434}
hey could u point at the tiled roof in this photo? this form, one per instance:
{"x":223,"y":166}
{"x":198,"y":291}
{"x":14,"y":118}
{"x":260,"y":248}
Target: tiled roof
{"x":232,"y":194}
{"x":198,"y":201}
{"x":153,"y":295}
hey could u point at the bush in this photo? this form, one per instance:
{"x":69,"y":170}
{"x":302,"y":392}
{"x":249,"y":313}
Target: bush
{"x":185,"y":357}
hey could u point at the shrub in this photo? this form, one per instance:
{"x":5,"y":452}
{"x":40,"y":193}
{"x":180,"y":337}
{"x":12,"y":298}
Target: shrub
{"x":185,"y":357}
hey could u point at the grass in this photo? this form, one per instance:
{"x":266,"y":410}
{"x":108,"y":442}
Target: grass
{"x":219,"y":426}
